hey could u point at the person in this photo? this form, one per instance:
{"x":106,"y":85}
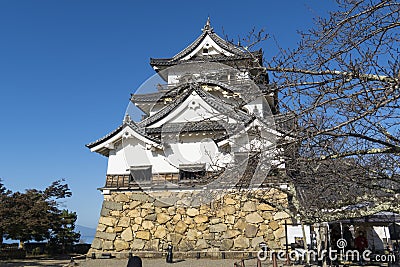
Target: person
{"x":135,"y":261}
{"x":348,"y":236}
{"x":361,"y":244}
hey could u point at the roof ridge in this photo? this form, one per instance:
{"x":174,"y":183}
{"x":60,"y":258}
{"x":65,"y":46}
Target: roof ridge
{"x":191,"y":47}
{"x":208,"y":30}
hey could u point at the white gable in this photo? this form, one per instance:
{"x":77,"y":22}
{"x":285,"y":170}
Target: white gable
{"x":126,"y":132}
{"x":212,"y":47}
{"x":194,"y":108}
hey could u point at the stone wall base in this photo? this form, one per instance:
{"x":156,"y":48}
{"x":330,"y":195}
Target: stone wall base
{"x":232,"y":226}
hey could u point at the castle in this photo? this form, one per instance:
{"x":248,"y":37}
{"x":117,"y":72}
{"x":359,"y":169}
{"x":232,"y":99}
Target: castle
{"x":194,"y":171}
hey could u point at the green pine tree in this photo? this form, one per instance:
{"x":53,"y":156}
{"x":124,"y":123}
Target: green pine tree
{"x":63,"y":234}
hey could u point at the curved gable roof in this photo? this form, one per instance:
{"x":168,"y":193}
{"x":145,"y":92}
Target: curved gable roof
{"x":129,"y":123}
{"x":236,"y":52}
{"x":215,"y":103}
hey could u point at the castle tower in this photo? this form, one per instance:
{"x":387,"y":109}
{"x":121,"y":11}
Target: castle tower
{"x":177,"y":176}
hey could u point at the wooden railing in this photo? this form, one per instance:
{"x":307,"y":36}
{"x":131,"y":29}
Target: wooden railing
{"x":166,"y":180}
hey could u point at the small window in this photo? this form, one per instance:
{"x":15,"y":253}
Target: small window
{"x":191,"y":171}
{"x":141,"y":173}
{"x":205,"y":50}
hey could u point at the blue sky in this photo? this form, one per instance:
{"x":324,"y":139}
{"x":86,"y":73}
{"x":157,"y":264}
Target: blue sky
{"x":67,"y":68}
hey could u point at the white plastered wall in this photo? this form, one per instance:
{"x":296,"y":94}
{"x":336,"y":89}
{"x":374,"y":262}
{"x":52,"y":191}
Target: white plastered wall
{"x":133,"y":152}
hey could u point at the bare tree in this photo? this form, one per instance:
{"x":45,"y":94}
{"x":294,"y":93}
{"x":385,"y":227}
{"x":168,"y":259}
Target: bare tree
{"x":341,"y":86}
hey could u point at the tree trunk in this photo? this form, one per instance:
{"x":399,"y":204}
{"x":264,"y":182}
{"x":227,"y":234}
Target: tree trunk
{"x":305,"y":244}
{"x":322,"y":245}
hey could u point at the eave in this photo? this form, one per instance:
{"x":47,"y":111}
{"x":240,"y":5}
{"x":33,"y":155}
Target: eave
{"x":227,"y":51}
{"x":106,"y":143}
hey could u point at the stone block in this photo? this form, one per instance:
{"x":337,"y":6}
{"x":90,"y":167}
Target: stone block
{"x":137,"y":244}
{"x":144,"y":212}
{"x":171,"y":210}
{"x":175,"y":238}
{"x":147,"y":225}
{"x":143,"y":235}
{"x":153,"y":245}
{"x":110,"y":229}
{"x":280,"y":215}
{"x":109,"y":221}
{"x":115,"y":213}
{"x":273,"y":225}
{"x":163,"y":218}
{"x":141,"y":197}
{"x":215,"y":220}
{"x":106,"y":236}
{"x":263,"y":228}
{"x":229,"y":201}
{"x":226,"y":244}
{"x":147,"y":206}
{"x":124,"y":221}
{"x":188,"y":220}
{"x":230,"y":219}
{"x":200,"y":219}
{"x":108,"y":245}
{"x":230,"y":210}
{"x":162,"y":194}
{"x":165,"y":203}
{"x":249,"y":206}
{"x":177,"y":218}
{"x":208,"y":236}
{"x":202,"y":227}
{"x":134,"y":204}
{"x":118,"y":229}
{"x":241,"y":242}
{"x":250,"y":230}
{"x":254,"y":218}
{"x":240,"y":224}
{"x":192,"y":212}
{"x":220,"y":213}
{"x":231,"y":233}
{"x":151,"y":217}
{"x":201,"y":244}
{"x":265,"y":207}
{"x":127,"y":235}
{"x":186,"y":245}
{"x":267,"y":215}
{"x":121,"y":198}
{"x":191,"y":234}
{"x":180,"y":227}
{"x":111,"y":205}
{"x":104,"y":212}
{"x":101,"y":227}
{"x":272,"y":244}
{"x":217,"y":228}
{"x":138,"y":220}
{"x":160,"y":232}
{"x":97,"y":244}
{"x":134,"y":213}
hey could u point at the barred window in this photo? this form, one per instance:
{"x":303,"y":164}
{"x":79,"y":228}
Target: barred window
{"x":191,"y":171}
